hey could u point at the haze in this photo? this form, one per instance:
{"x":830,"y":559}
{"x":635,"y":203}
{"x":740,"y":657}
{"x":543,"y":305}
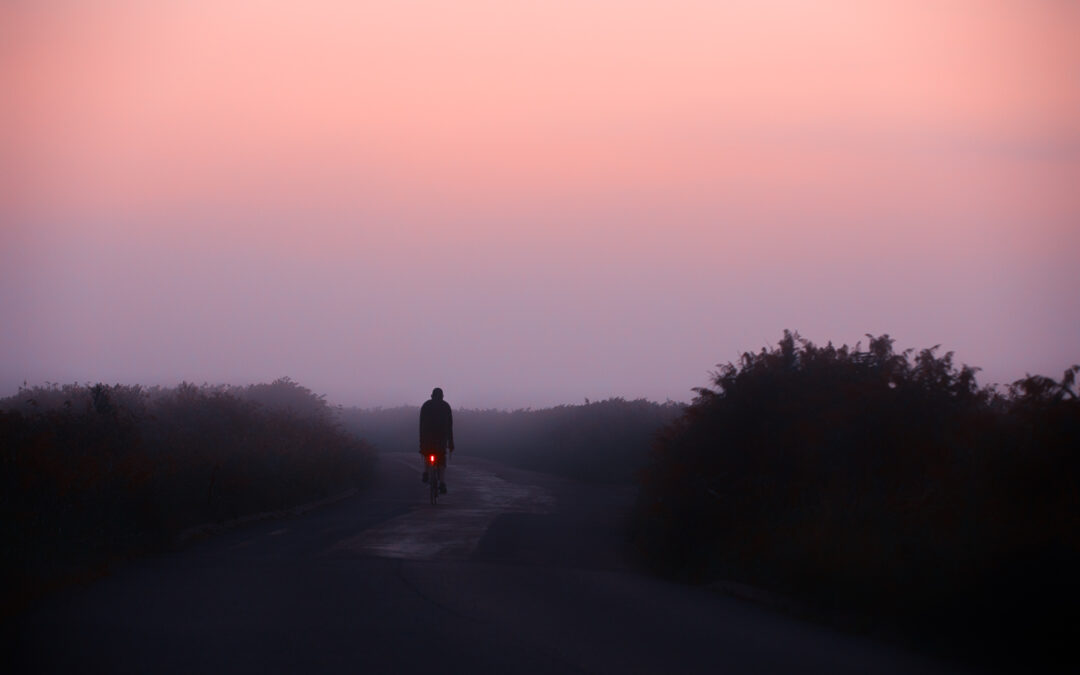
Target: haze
{"x":530,"y":203}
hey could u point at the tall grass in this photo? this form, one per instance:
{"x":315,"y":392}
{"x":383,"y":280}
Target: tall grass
{"x":90,"y":474}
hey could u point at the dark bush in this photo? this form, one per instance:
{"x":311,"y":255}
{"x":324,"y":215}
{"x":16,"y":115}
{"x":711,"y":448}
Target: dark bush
{"x":881,"y":481}
{"x":92,"y":474}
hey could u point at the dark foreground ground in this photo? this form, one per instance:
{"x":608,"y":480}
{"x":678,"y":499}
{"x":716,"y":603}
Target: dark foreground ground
{"x":514,"y":573}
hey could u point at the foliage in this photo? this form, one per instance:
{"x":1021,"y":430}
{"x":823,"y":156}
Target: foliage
{"x":872,"y":479}
{"x":90,"y":473}
{"x":285,"y":395}
{"x":605,"y":441}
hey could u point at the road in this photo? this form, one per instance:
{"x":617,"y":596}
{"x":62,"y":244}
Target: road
{"x":514,"y":572}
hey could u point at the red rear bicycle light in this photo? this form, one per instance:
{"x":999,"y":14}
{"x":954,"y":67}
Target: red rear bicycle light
{"x":432,"y":458}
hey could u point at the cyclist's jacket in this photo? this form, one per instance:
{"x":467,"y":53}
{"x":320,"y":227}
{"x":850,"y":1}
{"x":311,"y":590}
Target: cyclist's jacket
{"x":436,"y":426}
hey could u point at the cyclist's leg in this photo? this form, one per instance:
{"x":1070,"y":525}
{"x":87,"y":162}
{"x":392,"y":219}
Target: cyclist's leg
{"x":442,"y":471}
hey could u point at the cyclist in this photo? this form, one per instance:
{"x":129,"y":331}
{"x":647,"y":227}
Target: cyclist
{"x":436,"y":434}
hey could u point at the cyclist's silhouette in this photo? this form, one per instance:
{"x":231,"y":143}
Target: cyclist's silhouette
{"x":436,"y":433}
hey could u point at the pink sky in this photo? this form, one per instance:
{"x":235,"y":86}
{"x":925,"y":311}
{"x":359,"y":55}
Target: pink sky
{"x":528,"y":203}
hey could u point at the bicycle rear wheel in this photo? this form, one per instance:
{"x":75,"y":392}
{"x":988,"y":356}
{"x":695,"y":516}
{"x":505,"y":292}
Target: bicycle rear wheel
{"x":434,"y":483}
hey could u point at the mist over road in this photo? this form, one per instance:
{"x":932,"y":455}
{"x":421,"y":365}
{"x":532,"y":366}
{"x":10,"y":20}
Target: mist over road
{"x":513,"y":572}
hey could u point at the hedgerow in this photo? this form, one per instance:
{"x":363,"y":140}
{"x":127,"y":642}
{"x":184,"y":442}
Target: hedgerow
{"x":90,"y":474}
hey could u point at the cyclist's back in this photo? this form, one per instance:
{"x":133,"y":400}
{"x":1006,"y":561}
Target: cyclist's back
{"x":436,"y":431}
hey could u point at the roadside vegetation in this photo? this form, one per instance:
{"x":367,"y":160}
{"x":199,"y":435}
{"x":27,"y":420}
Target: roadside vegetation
{"x":602,"y":441}
{"x":92,"y":474}
{"x":883,"y":483}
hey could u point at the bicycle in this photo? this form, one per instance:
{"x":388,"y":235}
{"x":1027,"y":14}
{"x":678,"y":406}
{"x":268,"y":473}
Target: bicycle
{"x":434,"y":477}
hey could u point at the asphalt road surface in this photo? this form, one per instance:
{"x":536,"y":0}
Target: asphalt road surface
{"x":513,"y":572}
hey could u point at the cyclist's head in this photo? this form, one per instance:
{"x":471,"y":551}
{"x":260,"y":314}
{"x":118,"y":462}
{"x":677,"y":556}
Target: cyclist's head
{"x":436,"y":394}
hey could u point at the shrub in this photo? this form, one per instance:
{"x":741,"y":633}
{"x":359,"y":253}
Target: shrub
{"x":90,"y":474}
{"x":872,"y":479}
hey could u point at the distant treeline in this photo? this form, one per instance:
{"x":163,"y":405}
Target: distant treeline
{"x":92,"y":473}
{"x":879,"y":481}
{"x":604,"y":441}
